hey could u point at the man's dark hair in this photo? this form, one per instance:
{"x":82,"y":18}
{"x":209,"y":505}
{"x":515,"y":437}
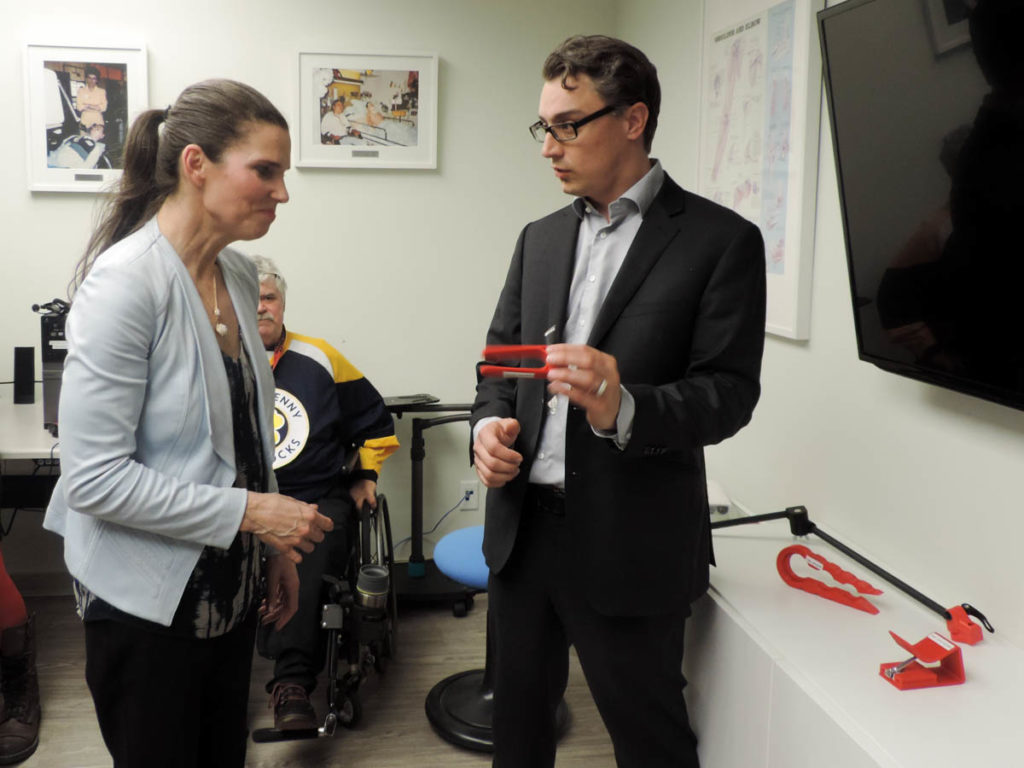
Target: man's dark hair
{"x":621,"y":73}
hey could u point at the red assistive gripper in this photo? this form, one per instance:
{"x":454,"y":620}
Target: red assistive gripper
{"x":515,"y":352}
{"x":816,"y":587}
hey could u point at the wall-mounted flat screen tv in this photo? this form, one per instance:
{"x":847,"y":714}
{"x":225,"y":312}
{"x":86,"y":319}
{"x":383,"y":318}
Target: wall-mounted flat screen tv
{"x":926,"y":101}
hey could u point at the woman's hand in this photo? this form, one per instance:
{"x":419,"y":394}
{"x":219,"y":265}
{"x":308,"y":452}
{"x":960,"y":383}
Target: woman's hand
{"x":282,"y":599}
{"x":286,"y":524}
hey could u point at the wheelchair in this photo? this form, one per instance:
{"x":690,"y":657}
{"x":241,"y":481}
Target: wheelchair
{"x":359,"y":615}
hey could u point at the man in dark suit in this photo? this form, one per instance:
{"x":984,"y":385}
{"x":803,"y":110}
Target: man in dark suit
{"x":597,"y":532}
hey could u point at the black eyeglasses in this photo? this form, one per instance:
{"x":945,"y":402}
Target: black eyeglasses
{"x":566,"y":131}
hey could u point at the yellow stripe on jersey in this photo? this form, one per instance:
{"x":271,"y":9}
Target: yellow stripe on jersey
{"x":337,"y":365}
{"x":373,"y":452}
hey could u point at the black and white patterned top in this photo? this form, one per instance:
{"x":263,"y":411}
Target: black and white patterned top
{"x":223,"y":587}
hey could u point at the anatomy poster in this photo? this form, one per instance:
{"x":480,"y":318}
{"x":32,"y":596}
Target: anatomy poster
{"x":753,"y":154}
{"x":746,"y":138}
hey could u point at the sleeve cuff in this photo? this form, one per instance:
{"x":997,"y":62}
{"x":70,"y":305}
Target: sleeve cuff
{"x":480,"y":425}
{"x":623,"y":422}
{"x":363,"y":474}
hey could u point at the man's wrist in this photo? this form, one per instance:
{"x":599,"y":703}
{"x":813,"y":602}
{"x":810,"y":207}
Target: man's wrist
{"x":623,"y":421}
{"x":483,"y":423}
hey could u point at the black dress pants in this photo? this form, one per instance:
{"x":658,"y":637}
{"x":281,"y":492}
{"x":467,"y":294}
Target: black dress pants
{"x":633,"y":665}
{"x":166,"y":701}
{"x":299,"y":648}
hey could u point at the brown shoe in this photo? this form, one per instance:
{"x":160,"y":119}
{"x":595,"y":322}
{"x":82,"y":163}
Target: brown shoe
{"x":19,"y":719}
{"x":292,"y":708}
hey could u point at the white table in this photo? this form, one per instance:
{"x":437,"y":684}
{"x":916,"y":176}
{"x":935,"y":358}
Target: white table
{"x":780,"y":678}
{"x":23,"y":442}
{"x":22,"y":435}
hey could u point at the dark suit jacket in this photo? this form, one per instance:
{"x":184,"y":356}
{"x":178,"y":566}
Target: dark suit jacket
{"x":684,"y":318}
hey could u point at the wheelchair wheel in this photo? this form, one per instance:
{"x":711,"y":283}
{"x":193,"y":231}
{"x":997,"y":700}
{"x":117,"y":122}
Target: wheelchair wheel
{"x":390,"y":649}
{"x":350,"y":711}
{"x":344,"y":703}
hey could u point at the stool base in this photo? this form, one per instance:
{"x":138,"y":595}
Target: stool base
{"x":461,"y":708}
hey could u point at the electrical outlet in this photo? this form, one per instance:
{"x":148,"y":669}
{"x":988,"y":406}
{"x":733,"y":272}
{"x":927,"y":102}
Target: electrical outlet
{"x":471,"y":494}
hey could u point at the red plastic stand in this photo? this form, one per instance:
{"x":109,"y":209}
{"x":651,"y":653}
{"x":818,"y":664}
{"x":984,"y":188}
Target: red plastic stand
{"x":961,"y":628}
{"x":934,"y":649}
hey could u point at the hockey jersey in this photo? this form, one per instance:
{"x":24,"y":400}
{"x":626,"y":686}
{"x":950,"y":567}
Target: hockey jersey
{"x":324,"y":408}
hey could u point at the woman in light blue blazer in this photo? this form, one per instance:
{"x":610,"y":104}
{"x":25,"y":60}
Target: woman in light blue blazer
{"x":167,"y":500}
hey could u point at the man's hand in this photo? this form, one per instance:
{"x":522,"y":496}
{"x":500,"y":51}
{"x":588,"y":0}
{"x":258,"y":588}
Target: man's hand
{"x":282,"y":599}
{"x":589,"y":378}
{"x":496,"y":463}
{"x":364,"y":491}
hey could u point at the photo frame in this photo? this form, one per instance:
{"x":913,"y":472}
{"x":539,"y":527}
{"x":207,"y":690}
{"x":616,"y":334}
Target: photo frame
{"x":367,"y":110}
{"x":79,"y":103}
{"x":947,"y":23}
{"x":759,"y":125}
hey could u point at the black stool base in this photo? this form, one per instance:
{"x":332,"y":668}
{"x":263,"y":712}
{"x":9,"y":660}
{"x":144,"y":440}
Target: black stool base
{"x":461,"y":708}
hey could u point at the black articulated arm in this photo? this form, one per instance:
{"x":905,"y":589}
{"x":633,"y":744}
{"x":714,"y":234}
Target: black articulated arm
{"x":800,"y":525}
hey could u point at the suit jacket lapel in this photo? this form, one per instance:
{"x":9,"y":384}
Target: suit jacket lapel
{"x":215,"y":380}
{"x":651,"y":239}
{"x":547,"y":276}
{"x":560,"y":258}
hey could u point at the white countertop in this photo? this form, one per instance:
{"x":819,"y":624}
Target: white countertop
{"x":833,"y":653}
{"x":22,"y":435}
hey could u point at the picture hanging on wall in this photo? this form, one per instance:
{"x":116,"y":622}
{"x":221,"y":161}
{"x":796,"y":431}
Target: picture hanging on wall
{"x":367,"y":110}
{"x":79,"y":102}
{"x":759,"y":122}
{"x":947,"y":22}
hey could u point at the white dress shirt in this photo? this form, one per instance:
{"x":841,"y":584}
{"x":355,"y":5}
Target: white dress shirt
{"x":601,"y":247}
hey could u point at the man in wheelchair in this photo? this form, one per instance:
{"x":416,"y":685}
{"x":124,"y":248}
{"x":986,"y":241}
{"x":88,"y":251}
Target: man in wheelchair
{"x":332,"y":433}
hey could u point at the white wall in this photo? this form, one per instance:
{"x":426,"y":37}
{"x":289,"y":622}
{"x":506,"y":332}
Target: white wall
{"x":922,"y":478}
{"x":398,"y":269}
{"x":669,"y":32}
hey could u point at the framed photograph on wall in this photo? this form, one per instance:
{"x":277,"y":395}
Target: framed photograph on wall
{"x":759,"y":124}
{"x":79,"y":102}
{"x":367,"y":110}
{"x":947,"y":22}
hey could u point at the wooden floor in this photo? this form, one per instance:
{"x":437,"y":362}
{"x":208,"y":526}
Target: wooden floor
{"x":394,"y":730}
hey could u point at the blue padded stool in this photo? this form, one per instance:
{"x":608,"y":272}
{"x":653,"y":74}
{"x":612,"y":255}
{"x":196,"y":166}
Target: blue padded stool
{"x":461,"y":706}
{"x":460,"y":556}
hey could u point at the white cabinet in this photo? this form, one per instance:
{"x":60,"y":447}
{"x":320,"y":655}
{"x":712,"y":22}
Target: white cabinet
{"x":780,"y":678}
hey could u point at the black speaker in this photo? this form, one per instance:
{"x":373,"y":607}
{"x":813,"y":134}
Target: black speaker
{"x":24,"y":374}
